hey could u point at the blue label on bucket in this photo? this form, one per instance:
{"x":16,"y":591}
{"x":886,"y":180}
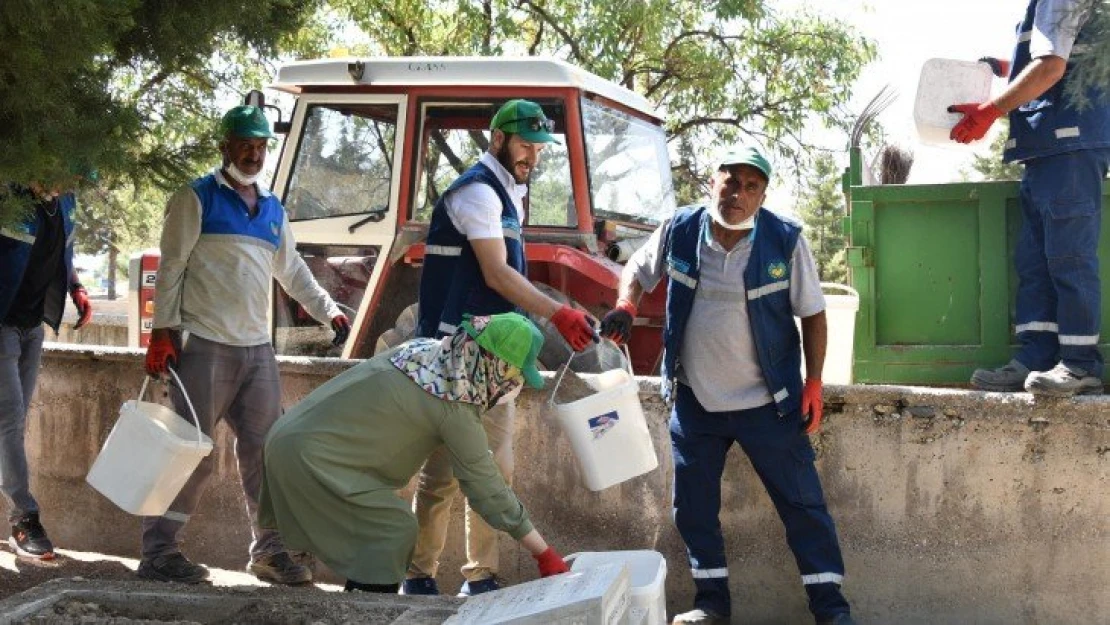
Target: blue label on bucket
{"x":601,"y":424}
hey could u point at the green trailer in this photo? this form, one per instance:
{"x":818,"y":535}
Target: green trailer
{"x":933,"y":265}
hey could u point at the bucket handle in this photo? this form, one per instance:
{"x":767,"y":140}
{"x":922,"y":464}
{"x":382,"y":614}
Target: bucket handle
{"x":563,"y":370}
{"x":840,"y":287}
{"x":188,"y":402}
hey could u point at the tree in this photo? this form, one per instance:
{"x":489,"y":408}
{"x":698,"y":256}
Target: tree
{"x":123,"y":86}
{"x":721,"y":72}
{"x":1092,"y":69}
{"x":822,"y":207}
{"x":991,"y":167}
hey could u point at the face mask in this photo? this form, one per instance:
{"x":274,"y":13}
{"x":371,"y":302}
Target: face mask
{"x":715,"y":213}
{"x":239,"y":176}
{"x":510,"y":396}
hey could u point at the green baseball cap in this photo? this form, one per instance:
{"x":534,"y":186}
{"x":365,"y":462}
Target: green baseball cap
{"x":246,"y":121}
{"x":512,"y":338}
{"x":745,"y":155}
{"x":524,"y":118}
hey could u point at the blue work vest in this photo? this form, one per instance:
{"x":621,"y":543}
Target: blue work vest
{"x":224,"y":212}
{"x":767,"y":287}
{"x":452,"y":284}
{"x":1051,"y":123}
{"x":15,"y":252}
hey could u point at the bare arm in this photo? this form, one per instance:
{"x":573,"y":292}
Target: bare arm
{"x":534,"y":543}
{"x":509,"y":283}
{"x":815,"y":336}
{"x":630,"y":289}
{"x":1037,"y":77}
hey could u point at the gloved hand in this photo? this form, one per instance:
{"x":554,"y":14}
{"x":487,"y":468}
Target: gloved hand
{"x":80,"y":299}
{"x":162,"y":351}
{"x":812,"y":404}
{"x":978,"y":117}
{"x":617,"y":323}
{"x":575,"y":326}
{"x":551,"y":563}
{"x":999,"y":67}
{"x":342,"y":328}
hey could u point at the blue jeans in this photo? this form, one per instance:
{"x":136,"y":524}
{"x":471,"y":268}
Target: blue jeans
{"x":783,"y":459}
{"x":1059,"y":305}
{"x":20,"y":355}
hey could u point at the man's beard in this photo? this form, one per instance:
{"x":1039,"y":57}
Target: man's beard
{"x":505,"y":158}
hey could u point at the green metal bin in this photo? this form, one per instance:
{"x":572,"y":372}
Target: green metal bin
{"x":933,"y":265}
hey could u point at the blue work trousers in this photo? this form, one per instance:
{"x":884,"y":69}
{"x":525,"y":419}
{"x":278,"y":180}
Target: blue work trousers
{"x":784,"y":461}
{"x":1059,"y":307}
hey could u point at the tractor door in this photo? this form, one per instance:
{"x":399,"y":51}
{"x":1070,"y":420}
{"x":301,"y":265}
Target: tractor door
{"x":338,"y":177}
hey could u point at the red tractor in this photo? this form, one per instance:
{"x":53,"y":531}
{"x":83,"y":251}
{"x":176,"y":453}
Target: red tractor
{"x":373,"y":143}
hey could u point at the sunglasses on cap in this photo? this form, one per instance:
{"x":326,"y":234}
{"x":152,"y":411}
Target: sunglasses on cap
{"x":535,"y":124}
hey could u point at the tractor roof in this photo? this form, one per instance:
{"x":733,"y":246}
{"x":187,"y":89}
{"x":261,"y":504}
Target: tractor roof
{"x":455,"y":71}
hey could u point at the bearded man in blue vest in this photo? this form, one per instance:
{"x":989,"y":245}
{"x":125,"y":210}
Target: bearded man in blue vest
{"x":474,"y":264}
{"x":1065,"y":148}
{"x":738,"y":275}
{"x":225,"y":239}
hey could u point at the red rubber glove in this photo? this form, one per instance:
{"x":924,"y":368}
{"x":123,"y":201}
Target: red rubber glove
{"x":80,"y":299}
{"x":162,"y":351}
{"x":617,"y":323}
{"x":341,"y":325}
{"x":977,"y":120}
{"x":551,"y":563}
{"x":575,"y":327}
{"x":812,"y":404}
{"x":999,"y":67}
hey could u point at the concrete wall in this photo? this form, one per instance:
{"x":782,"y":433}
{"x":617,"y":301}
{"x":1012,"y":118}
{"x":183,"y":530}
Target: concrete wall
{"x":953,"y":506}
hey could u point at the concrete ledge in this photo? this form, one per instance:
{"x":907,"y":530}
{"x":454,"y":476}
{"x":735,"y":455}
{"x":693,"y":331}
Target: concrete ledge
{"x":953,"y":506}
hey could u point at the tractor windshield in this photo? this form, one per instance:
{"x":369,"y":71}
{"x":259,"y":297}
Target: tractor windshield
{"x":629,"y":167}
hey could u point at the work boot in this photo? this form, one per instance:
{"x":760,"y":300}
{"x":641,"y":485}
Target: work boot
{"x":420,"y":586}
{"x":837,"y":619}
{"x":172,"y":567}
{"x":1007,"y":379}
{"x":1063,"y":381}
{"x":29,"y":538}
{"x":698,"y":616}
{"x":279,"y":568}
{"x":479,"y":586}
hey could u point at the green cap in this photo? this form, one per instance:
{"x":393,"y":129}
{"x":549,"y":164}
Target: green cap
{"x":246,"y":121}
{"x":745,"y":155}
{"x":524,"y":118}
{"x":512,"y":338}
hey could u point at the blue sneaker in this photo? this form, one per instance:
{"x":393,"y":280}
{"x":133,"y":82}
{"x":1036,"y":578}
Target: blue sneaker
{"x":420,"y":586}
{"x":477,"y":587}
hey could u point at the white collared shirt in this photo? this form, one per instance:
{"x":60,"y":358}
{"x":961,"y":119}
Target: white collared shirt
{"x":475,"y":210}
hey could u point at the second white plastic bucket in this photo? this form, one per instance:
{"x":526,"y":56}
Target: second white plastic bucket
{"x":945,"y":82}
{"x":840,"y":315}
{"x":648,"y":572}
{"x":149,"y":455}
{"x":607,"y":430}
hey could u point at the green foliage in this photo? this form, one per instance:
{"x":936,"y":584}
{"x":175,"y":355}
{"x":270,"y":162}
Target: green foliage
{"x":1092,"y":69}
{"x":822,"y":207}
{"x":991,"y":167}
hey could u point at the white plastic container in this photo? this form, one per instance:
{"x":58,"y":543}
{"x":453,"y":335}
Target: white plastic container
{"x":607,"y":430}
{"x":945,"y":82}
{"x":149,"y":455}
{"x":648,"y":570}
{"x":840,"y":315}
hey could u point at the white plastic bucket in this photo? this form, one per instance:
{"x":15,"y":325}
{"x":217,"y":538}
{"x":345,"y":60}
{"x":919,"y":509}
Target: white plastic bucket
{"x":840,"y":315}
{"x":149,"y":455}
{"x":648,"y":572}
{"x":607,"y":430}
{"x":945,"y":82}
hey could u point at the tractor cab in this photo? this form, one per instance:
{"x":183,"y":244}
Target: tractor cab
{"x":373,"y":143}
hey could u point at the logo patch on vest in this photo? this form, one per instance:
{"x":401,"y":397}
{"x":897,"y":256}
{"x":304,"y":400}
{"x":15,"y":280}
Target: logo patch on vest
{"x":678,"y":264}
{"x":601,"y":424}
{"x":275,"y":228}
{"x":777,"y":270}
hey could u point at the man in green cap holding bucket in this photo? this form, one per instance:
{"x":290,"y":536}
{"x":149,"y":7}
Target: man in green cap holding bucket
{"x":739,"y":275}
{"x":224,"y":240}
{"x":335,"y":461}
{"x":475,"y":264}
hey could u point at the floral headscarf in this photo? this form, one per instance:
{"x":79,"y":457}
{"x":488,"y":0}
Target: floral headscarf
{"x":456,"y":368}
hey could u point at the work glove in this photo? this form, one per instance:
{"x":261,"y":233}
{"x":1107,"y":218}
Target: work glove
{"x":999,"y":67}
{"x":977,"y":120}
{"x":551,"y":563}
{"x":162,"y":351}
{"x":617,"y":323}
{"x":575,"y":326}
{"x":80,"y":299}
{"x":812,"y":404}
{"x":342,"y":328}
